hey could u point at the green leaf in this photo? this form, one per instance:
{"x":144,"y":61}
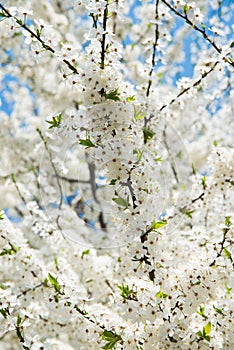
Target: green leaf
{"x":215,"y":143}
{"x":11,"y":251}
{"x":56,"y":263}
{"x":219,"y":311}
{"x":38,"y":31}
{"x":207,"y":328}
{"x":201,"y":312}
{"x":160,"y":75}
{"x":121,"y":201}
{"x":54,"y":281}
{"x":127,"y":293}
{"x":228,"y":289}
{"x":18,"y":320}
{"x":19,"y":21}
{"x":113,"y":182}
{"x":2,"y":14}
{"x":139,"y":114}
{"x":157,"y":224}
{"x":162,"y":295}
{"x":55,"y":122}
{"x":4,"y":287}
{"x":111,"y":338}
{"x":227,"y":254}
{"x":204,"y":184}
{"x":148,"y":134}
{"x":4,"y":313}
{"x":139,"y":154}
{"x":186,"y":9}
{"x":228,"y":221}
{"x":1,"y":214}
{"x":112,"y":95}
{"x":188,"y":213}
{"x":130,"y":98}
{"x":85,"y":252}
{"x":88,"y":143}
{"x":203,"y":26}
{"x":204,"y":334}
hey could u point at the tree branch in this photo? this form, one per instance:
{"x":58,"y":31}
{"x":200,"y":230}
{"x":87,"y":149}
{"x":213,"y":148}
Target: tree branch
{"x":154,"y":49}
{"x":103,"y":41}
{"x":36,"y":36}
{"x":201,"y":31}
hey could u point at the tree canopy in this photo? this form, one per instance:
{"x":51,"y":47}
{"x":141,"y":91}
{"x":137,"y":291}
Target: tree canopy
{"x":117,"y":175}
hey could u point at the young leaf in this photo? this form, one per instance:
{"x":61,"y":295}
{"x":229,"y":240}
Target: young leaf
{"x":228,"y":221}
{"x":55,"y":122}
{"x":219,"y":311}
{"x":157,"y":224}
{"x":11,"y":251}
{"x":228,"y":255}
{"x":148,"y":134}
{"x":2,"y":14}
{"x":54,"y":281}
{"x":139,"y":114}
{"x":121,"y":201}
{"x":186,"y":9}
{"x":201,"y":312}
{"x":203,"y":26}
{"x":4,"y":313}
{"x":112,"y":95}
{"x":127,"y":293}
{"x":113,"y":182}
{"x":205,"y":333}
{"x":130,"y":98}
{"x":1,"y":214}
{"x":204,"y":185}
{"x":207,"y":328}
{"x":18,"y":320}
{"x":85,"y":252}
{"x":139,"y":154}
{"x":56,"y":263}
{"x":228,"y":289}
{"x":111,"y":338}
{"x":188,"y":213}
{"x":86,"y":142}
{"x":162,"y":295}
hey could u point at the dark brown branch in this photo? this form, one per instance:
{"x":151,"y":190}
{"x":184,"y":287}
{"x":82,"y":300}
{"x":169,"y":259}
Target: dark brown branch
{"x":71,"y":180}
{"x":154,"y":48}
{"x":103,"y":41}
{"x":225,"y":231}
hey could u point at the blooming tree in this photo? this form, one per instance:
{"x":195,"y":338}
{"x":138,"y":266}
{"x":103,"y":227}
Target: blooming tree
{"x":116,"y":175}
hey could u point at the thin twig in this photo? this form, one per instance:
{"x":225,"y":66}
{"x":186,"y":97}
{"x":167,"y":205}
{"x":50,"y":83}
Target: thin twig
{"x":154,"y":48}
{"x":225,"y":231}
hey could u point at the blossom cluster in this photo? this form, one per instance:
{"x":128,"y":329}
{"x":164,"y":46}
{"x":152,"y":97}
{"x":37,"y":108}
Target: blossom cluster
{"x":116,"y":179}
